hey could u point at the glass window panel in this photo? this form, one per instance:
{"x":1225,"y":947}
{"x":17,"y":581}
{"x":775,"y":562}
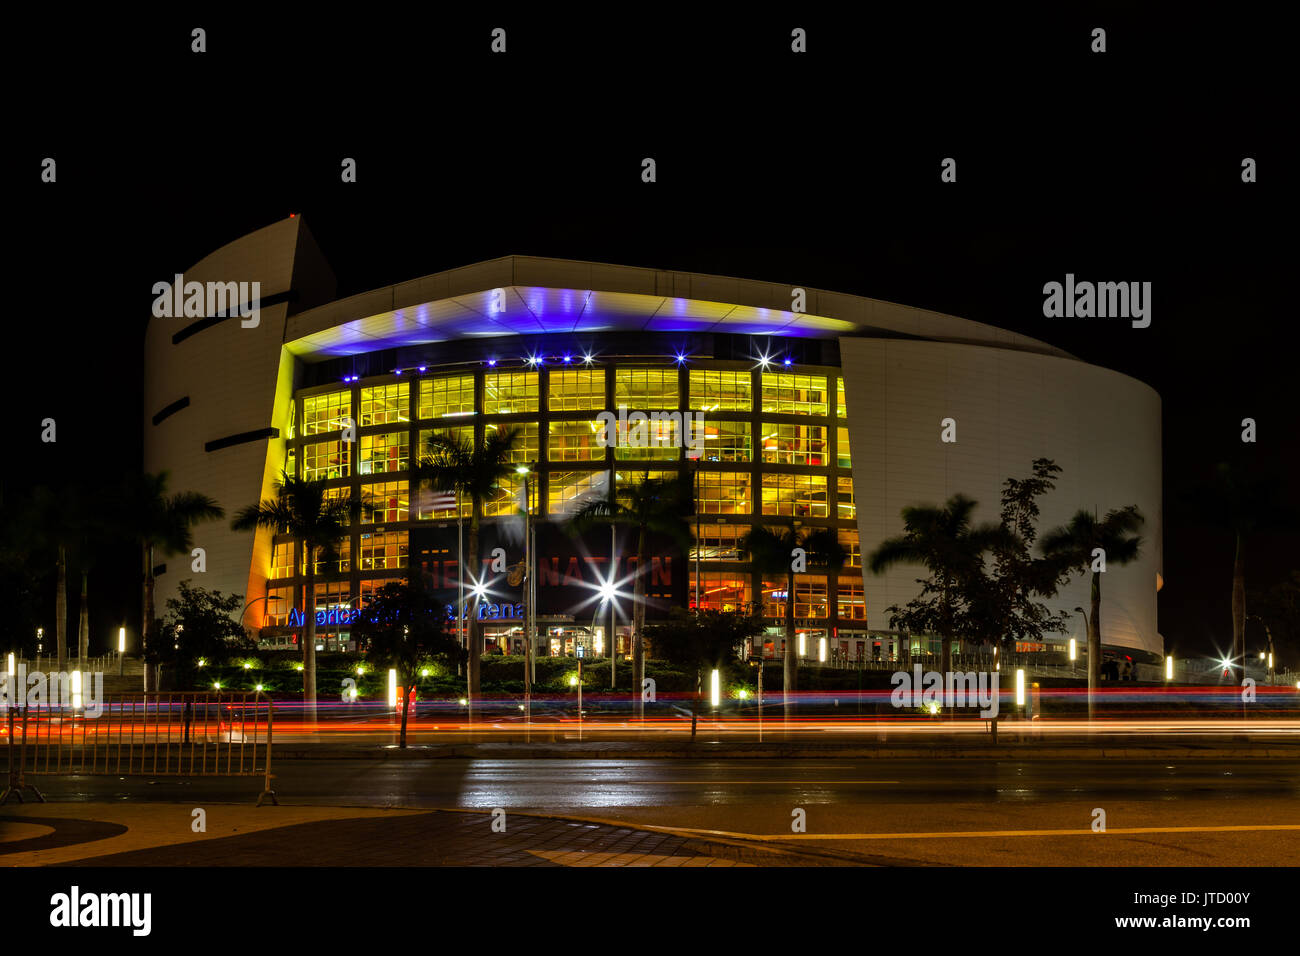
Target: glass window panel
{"x":842,"y":456}
{"x":794,"y":444}
{"x":726,"y":441}
{"x":794,"y":394}
{"x":385,"y":452}
{"x":574,"y":441}
{"x":841,"y":407}
{"x":844,"y":503}
{"x":569,"y":490}
{"x":810,"y":597}
{"x":384,"y":550}
{"x":445,"y":396}
{"x":643,"y":389}
{"x":852,"y":549}
{"x":326,"y":412}
{"x":385,"y":404}
{"x":326,"y":460}
{"x":851,"y":599}
{"x":510,"y":393}
{"x":282,"y":560}
{"x":800,"y":496}
{"x":714,"y":391}
{"x":627,"y":479}
{"x":724,"y":492}
{"x":527,"y":447}
{"x":576,"y":390}
{"x":390,"y":499}
{"x":648,"y":440}
{"x":719,"y":542}
{"x":505,"y":498}
{"x":722,"y":591}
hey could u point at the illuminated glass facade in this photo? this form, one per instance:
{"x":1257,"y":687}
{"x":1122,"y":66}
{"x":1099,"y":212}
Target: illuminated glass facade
{"x":772,"y":446}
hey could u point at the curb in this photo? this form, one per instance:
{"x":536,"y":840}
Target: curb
{"x":524,"y":752}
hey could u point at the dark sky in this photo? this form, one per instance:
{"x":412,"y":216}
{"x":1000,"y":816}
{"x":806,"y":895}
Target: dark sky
{"x":820,"y":170}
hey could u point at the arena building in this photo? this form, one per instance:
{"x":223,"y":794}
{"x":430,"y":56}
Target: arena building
{"x":826,"y":417}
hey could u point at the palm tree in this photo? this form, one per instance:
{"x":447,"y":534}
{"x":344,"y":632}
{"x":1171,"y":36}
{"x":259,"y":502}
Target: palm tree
{"x":54,"y":522}
{"x":1074,"y":545}
{"x":771,"y":552}
{"x":653,"y":506}
{"x":472,"y":470}
{"x":161,"y":523}
{"x":943,"y":540}
{"x":302,"y":508}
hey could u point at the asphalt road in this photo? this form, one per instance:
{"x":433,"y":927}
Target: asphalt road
{"x":980,"y":812}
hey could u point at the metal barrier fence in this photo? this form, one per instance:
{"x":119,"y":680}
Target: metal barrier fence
{"x":179,"y":734}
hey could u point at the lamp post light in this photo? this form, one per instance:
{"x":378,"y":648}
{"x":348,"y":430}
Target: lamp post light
{"x":121,"y":649}
{"x":1169,"y":667}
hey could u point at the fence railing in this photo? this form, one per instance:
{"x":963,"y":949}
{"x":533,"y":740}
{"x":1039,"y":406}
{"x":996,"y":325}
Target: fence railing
{"x":183,"y":734}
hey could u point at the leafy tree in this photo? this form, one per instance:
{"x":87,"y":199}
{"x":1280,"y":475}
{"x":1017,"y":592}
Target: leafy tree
{"x":161,"y":523}
{"x":1002,"y":596}
{"x":773,"y":552}
{"x":201,"y":625}
{"x":303,"y":509}
{"x":651,"y":506}
{"x":946,"y":542}
{"x":1074,"y":545}
{"x":402,"y":626}
{"x":701,"y":640}
{"x":472,"y":470}
{"x":1279,"y":609}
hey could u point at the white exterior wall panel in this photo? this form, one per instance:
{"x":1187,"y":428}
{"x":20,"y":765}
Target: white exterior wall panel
{"x":1010,"y":407}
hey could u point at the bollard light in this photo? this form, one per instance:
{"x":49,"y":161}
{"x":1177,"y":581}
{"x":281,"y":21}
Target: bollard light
{"x":1020,"y":687}
{"x":121,"y":640}
{"x":1074,"y":650}
{"x":714,"y":688}
{"x":258,"y":688}
{"x":821,"y":649}
{"x":744,"y":694}
{"x":12,"y":671}
{"x":1270,"y":660}
{"x":1169,"y":667}
{"x":803,"y":649}
{"x":392,"y":687}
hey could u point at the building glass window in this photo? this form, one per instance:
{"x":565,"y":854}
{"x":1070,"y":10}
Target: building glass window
{"x":390,"y":501}
{"x":505,"y":497}
{"x":384,"y":453}
{"x":723,"y":492}
{"x":852,"y":600}
{"x":844,"y":502}
{"x":326,"y":460}
{"x":384,"y":550}
{"x":510,"y":393}
{"x":794,"y":394}
{"x":774,"y":597}
{"x":431,"y":504}
{"x":722,"y":591}
{"x":810,"y":597}
{"x":726,"y":441}
{"x":326,"y":412}
{"x":719,"y":542}
{"x":342,"y":558}
{"x":643,"y":389}
{"x":800,"y":496}
{"x":841,"y":406}
{"x":713,"y":391}
{"x":527,"y":447}
{"x":385,"y":404}
{"x":625,"y":480}
{"x":446,"y":396}
{"x":279,"y":603}
{"x":654,"y":440}
{"x":282,"y":560}
{"x":852,"y":548}
{"x":842,"y":455}
{"x":331,"y":595}
{"x":570,"y":490}
{"x":574,"y":441}
{"x":795,"y":444}
{"x":576,"y":390}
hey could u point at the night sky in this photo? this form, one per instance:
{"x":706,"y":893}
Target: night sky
{"x":820,"y":170}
